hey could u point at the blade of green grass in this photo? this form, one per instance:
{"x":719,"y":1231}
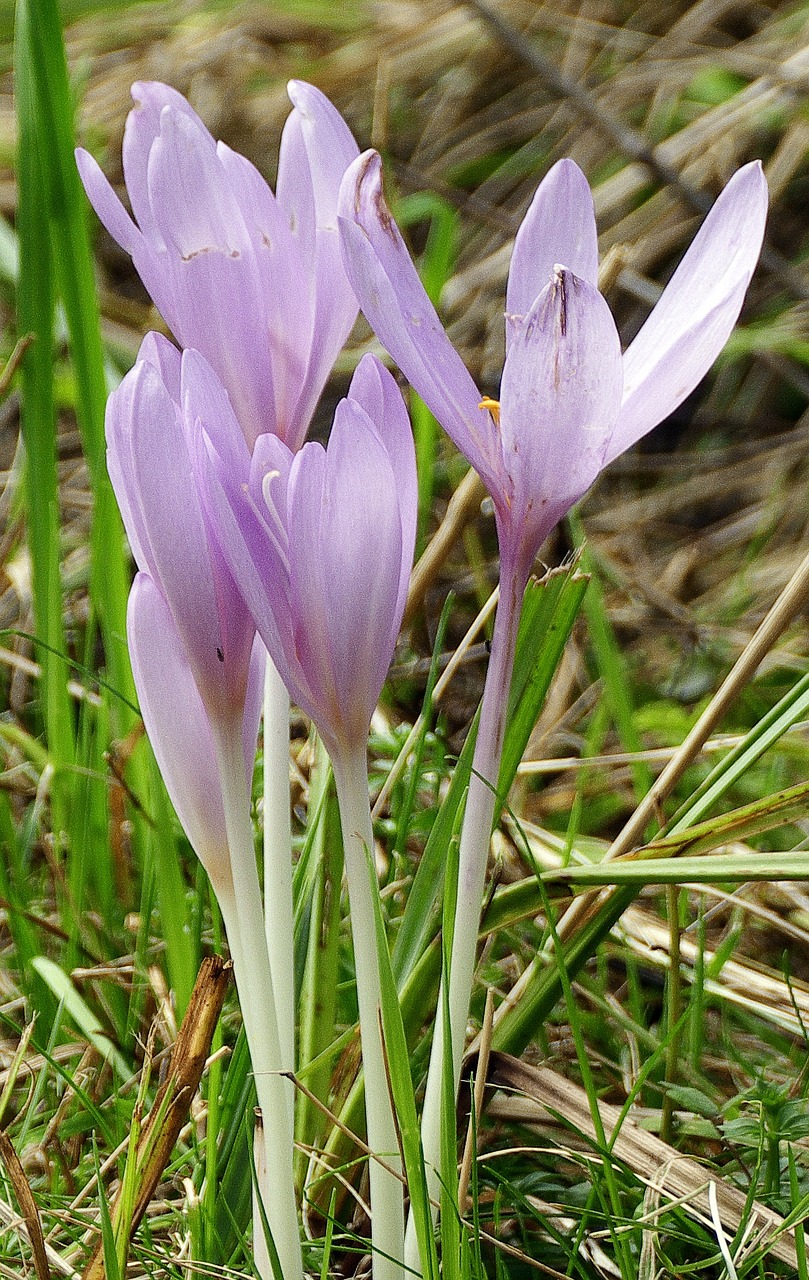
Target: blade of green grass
{"x":81,"y":1013}
{"x":791,"y":708}
{"x":426,"y":719}
{"x":550,"y":608}
{"x":35,"y":311}
{"x":318,"y":998}
{"x":404,"y":1098}
{"x":610,"y":661}
{"x":720,"y":869}
{"x":43,"y":47}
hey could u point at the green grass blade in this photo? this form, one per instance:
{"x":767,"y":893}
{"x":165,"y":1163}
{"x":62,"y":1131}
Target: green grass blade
{"x":550,"y":608}
{"x":318,"y":998}
{"x":112,"y":1269}
{"x":450,"y":1221}
{"x":177,"y":918}
{"x":404,"y":1099}
{"x":549,"y":611}
{"x":35,"y":308}
{"x":791,"y":708}
{"x":426,"y":718}
{"x":718,"y":869}
{"x":81,"y":1013}
{"x":610,"y":662}
{"x":66,"y":207}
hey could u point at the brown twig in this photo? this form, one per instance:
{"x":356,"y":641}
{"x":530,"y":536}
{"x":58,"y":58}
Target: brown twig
{"x":27,"y":1203}
{"x":172,"y":1103}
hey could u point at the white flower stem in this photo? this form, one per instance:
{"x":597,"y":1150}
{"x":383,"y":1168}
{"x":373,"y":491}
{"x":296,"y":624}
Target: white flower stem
{"x":387,"y":1192}
{"x":278,"y":909}
{"x":244,"y":923}
{"x":473,"y":856}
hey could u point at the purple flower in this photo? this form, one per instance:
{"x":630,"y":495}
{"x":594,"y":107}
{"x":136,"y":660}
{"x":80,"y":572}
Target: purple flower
{"x":569,"y":401}
{"x":321,"y":546}
{"x":252,"y":280}
{"x":191,"y":639}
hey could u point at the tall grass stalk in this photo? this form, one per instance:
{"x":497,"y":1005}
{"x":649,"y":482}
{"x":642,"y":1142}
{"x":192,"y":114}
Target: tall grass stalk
{"x":40,"y":43}
{"x":35,"y":313}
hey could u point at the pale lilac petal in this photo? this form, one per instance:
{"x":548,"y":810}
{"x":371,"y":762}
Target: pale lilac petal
{"x":207,"y":415}
{"x":141,"y":130}
{"x":256,"y":562}
{"x":363,"y":552}
{"x":109,"y":210}
{"x":173,"y":515}
{"x":326,"y":146}
{"x":697,"y":311}
{"x":266,"y":221}
{"x":120,"y":466}
{"x":159,"y":351}
{"x":214,"y":300}
{"x":293,"y":189}
{"x":336,"y":311}
{"x":191,"y":201}
{"x":559,"y":227}
{"x":559,"y":401}
{"x":330,"y":148}
{"x":403,"y":318}
{"x":286,"y":318}
{"x":310,"y":621}
{"x":203,"y":397}
{"x":177,"y":725}
{"x":375,"y":390}
{"x":345,"y":552}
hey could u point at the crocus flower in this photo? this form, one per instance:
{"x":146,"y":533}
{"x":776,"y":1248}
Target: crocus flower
{"x":198,"y":668}
{"x":191,"y":639}
{"x":321,"y":545}
{"x":569,"y":402}
{"x":252,"y":280}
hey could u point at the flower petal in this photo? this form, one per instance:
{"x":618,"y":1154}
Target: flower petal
{"x":254,"y":545}
{"x":284,"y":324}
{"x":375,"y":390}
{"x":120,"y":465}
{"x":159,"y":351}
{"x":177,"y":724}
{"x":202,"y":397}
{"x":559,"y":227}
{"x":192,"y":204}
{"x":345,"y":546}
{"x":326,"y":146}
{"x":403,"y":318}
{"x":696,"y":312}
{"x":172,"y":514}
{"x":109,"y":210}
{"x":559,"y":400}
{"x":141,"y":131}
{"x":211,"y":303}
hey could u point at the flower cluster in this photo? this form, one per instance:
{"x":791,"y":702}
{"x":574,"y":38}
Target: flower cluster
{"x":257,"y":550}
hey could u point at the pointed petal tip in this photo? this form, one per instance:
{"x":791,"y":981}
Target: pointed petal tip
{"x":156,"y":93}
{"x":361,"y":192}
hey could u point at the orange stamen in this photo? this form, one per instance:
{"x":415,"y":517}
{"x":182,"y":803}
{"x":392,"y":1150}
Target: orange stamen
{"x":493,"y":406}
